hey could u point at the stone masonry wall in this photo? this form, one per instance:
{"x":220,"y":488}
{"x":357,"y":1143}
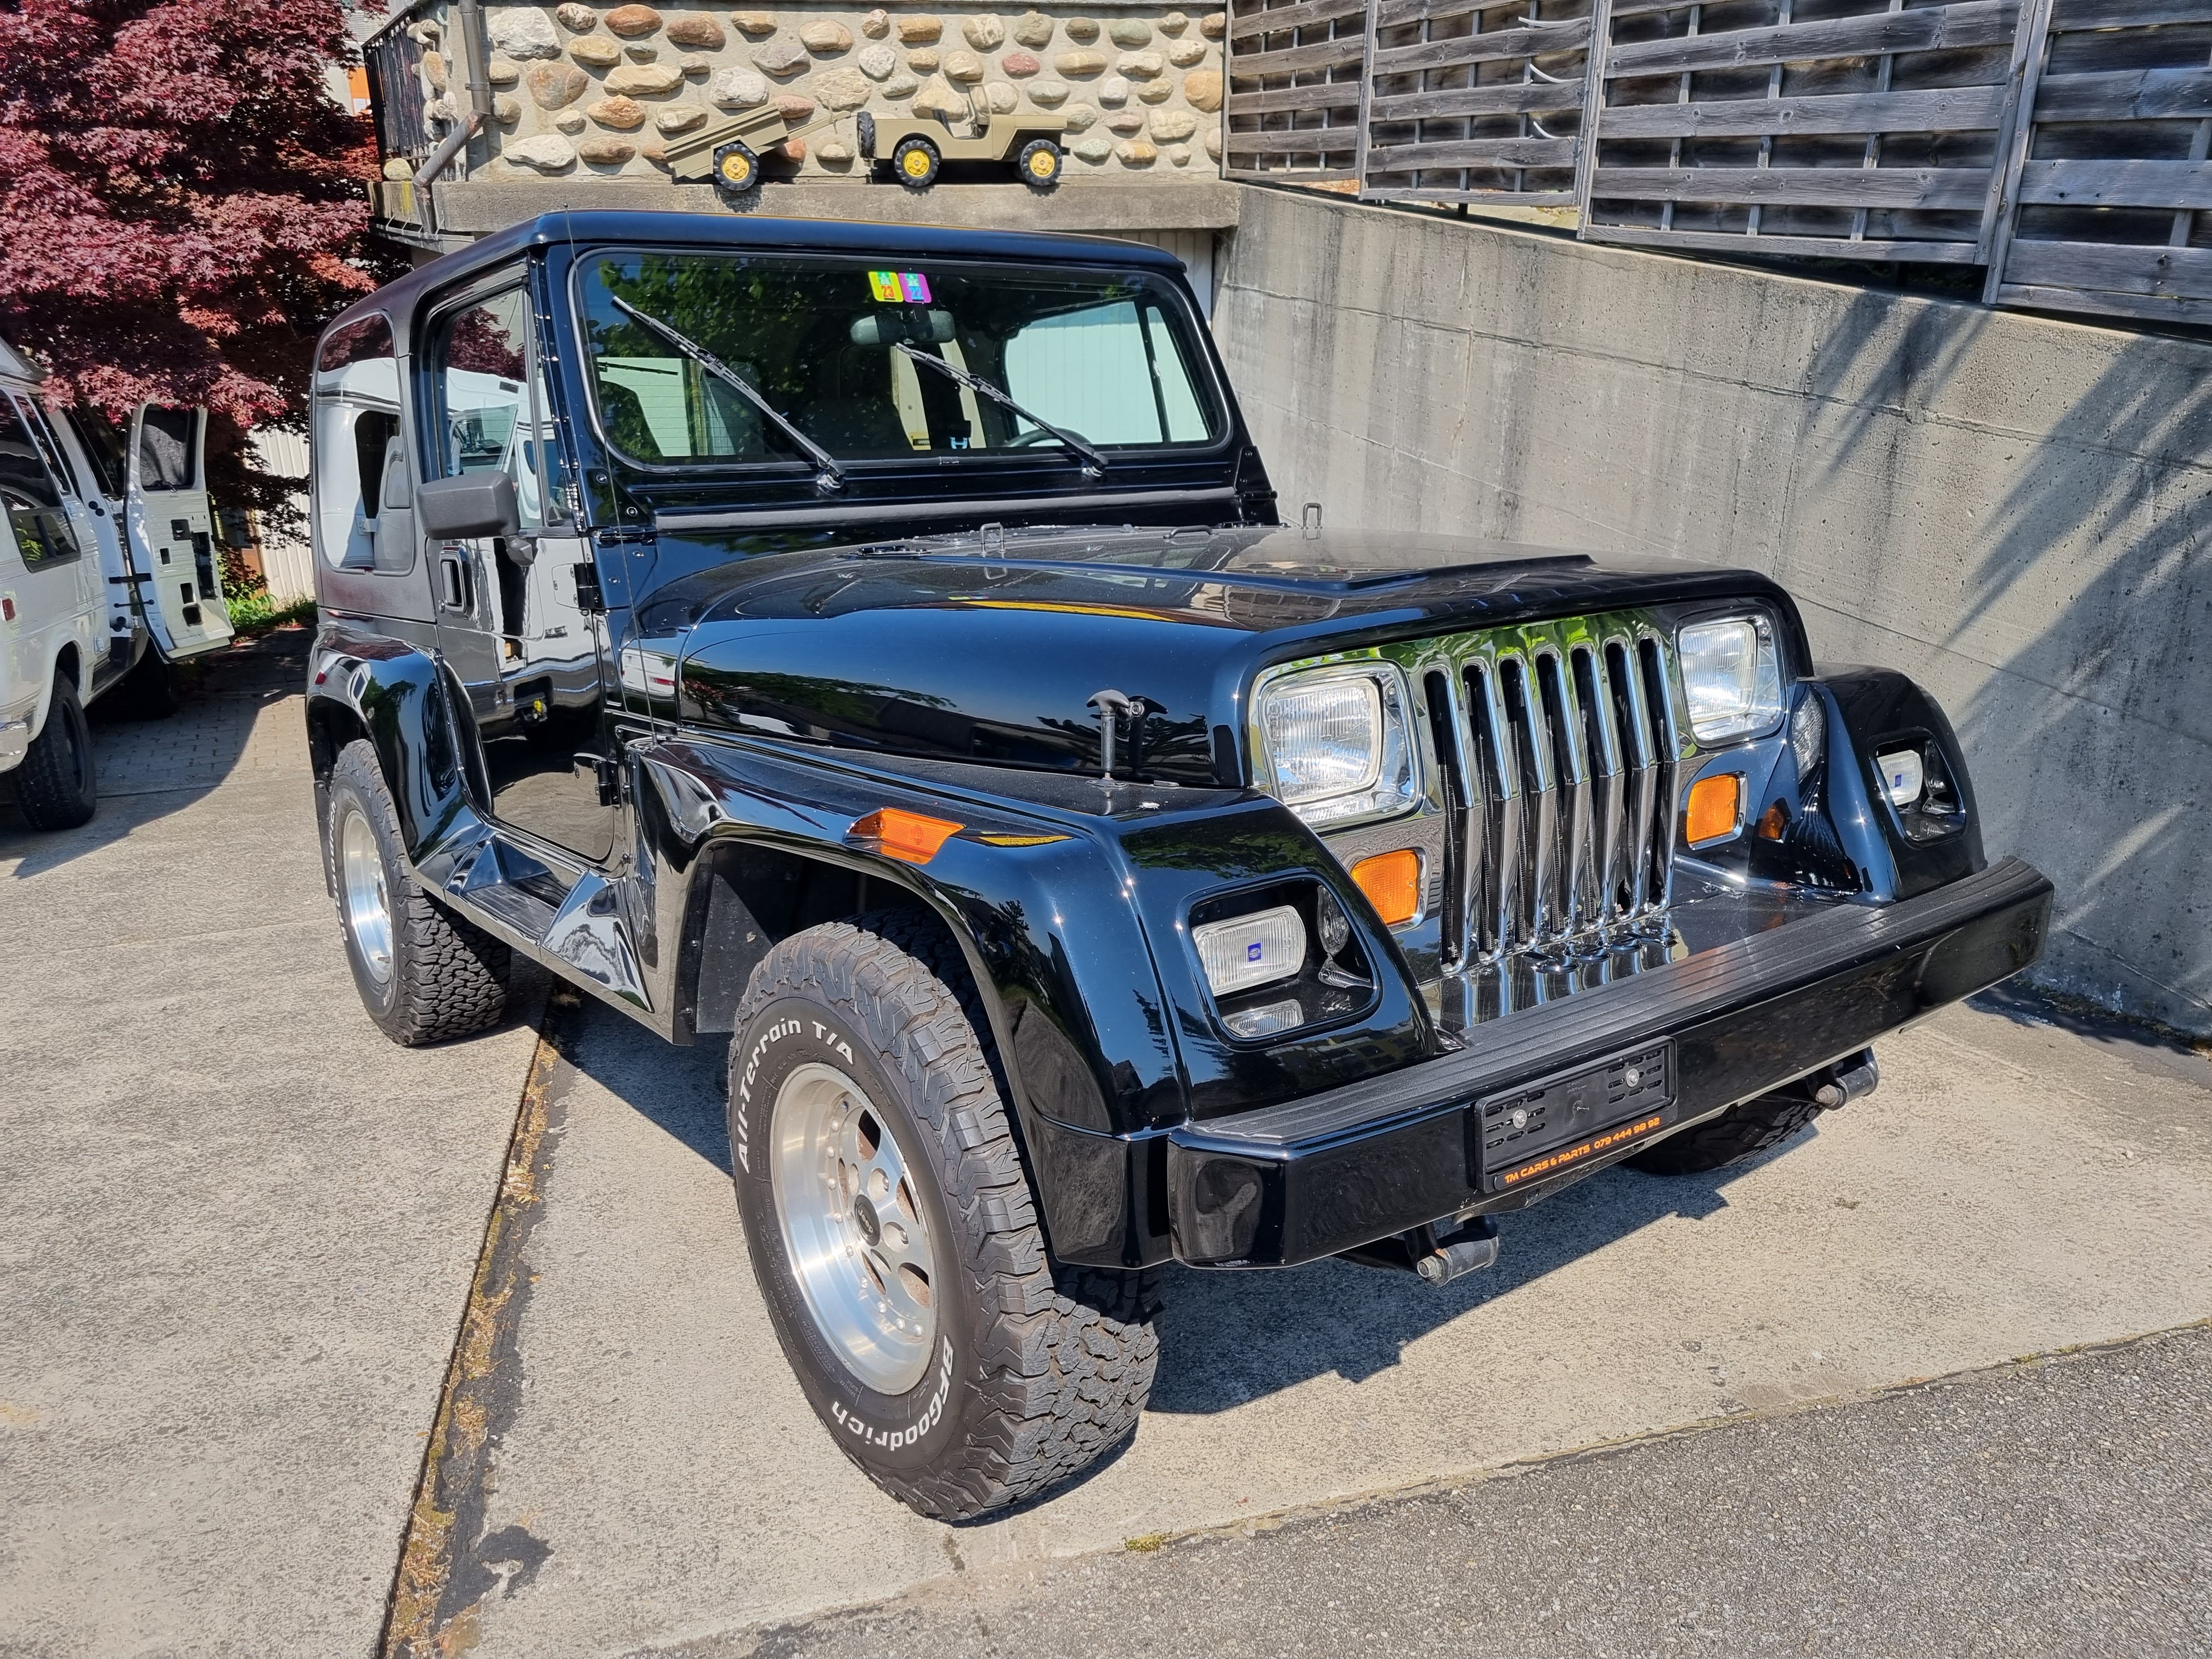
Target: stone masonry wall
{"x":590,"y":90}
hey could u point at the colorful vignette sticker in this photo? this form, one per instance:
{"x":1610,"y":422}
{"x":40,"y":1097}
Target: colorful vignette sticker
{"x":895,"y":287}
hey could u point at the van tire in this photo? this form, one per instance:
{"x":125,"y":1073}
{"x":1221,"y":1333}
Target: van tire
{"x":56,"y":786}
{"x":1032,"y":1369}
{"x":151,"y":690}
{"x":442,"y":976}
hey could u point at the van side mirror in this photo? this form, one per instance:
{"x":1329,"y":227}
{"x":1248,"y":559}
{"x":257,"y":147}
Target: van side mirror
{"x":474,"y":504}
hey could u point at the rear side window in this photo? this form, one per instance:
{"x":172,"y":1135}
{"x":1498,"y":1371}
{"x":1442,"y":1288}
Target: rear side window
{"x":29,"y":494}
{"x":167,"y":453}
{"x":102,"y":444}
{"x":356,"y":443}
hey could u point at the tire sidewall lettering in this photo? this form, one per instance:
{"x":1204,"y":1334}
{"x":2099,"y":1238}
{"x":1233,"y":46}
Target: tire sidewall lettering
{"x":901,"y":1430}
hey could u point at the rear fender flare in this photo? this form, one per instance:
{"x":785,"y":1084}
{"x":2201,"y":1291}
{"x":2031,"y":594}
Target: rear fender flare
{"x":398,"y":698}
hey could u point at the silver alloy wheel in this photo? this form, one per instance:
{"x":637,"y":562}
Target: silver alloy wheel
{"x":368,"y":906}
{"x":853,"y":1227}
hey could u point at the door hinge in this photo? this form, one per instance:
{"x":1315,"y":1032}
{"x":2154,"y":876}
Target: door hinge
{"x":607,"y":774}
{"x":589,"y":600}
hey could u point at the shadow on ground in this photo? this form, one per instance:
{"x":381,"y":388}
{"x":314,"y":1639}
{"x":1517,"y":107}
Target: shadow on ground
{"x":1229,"y":1338}
{"x":148,"y":769}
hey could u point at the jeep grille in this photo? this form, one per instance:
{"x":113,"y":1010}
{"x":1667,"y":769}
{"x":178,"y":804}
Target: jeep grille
{"x":1560,"y":746}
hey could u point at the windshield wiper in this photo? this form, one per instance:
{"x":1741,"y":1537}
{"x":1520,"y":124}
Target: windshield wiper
{"x":1094,"y":463}
{"x":828,"y":475}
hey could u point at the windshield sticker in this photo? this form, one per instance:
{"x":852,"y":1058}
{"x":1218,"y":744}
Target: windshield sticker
{"x":899,"y":287}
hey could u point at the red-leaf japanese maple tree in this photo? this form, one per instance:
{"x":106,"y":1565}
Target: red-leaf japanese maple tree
{"x":180,"y":204}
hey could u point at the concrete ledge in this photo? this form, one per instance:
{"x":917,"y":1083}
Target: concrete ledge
{"x":475,"y":208}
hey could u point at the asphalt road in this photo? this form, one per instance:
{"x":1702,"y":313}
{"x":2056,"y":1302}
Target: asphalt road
{"x":238,"y":1230}
{"x":2057,"y":1508}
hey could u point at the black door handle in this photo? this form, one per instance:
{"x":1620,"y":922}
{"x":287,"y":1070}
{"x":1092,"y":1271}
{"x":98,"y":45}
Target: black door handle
{"x":455,"y":570}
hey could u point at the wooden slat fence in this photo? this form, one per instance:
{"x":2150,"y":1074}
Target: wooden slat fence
{"x":1297,"y":80}
{"x":1477,"y":100}
{"x":1844,"y":129}
{"x":2113,"y":209}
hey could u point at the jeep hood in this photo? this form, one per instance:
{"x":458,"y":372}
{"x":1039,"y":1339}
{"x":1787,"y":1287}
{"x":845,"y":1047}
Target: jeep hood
{"x":991,"y":649}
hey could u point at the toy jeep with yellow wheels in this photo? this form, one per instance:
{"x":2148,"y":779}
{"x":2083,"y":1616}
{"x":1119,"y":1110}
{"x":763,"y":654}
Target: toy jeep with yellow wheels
{"x":917,"y":147}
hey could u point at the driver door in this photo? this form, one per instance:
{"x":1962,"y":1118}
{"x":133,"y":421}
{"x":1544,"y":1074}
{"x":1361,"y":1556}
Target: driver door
{"x":170,"y":527}
{"x":509,"y":623}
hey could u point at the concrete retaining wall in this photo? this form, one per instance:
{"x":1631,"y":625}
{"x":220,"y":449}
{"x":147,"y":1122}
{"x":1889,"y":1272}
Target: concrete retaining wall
{"x":2014,"y":511}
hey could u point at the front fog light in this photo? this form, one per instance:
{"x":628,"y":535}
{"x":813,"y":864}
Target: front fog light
{"x":1265,"y":1022}
{"x":1902,"y":777}
{"x":1248,"y":950}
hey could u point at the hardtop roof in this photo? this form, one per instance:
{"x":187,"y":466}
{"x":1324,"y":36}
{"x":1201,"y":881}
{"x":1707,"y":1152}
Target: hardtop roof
{"x":703,"y":230}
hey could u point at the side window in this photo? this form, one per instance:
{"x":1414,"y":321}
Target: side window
{"x":50,"y":446}
{"x":31,"y":497}
{"x":356,"y":437}
{"x":102,"y":444}
{"x":167,"y":453}
{"x":489,"y":408}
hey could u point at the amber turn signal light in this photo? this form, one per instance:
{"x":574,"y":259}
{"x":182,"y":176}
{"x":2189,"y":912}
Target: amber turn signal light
{"x":1713,"y":807}
{"x":907,"y":836}
{"x":1392,"y":881}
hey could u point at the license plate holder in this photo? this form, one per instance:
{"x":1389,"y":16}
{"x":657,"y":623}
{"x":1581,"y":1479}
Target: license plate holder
{"x":1525,"y":1136}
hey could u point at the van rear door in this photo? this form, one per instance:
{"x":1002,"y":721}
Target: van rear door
{"x":172,"y":527}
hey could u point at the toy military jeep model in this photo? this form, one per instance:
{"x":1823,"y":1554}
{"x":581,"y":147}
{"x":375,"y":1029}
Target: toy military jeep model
{"x":880,"y":649}
{"x":916,"y":148}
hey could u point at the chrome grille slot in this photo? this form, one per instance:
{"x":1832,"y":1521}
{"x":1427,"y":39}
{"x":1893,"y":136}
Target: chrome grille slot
{"x":1495,"y":879}
{"x":1560,"y":750}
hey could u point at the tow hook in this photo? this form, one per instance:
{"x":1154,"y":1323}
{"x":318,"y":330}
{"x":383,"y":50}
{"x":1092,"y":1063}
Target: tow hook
{"x":1456,"y":1254}
{"x":1439,"y":1253}
{"x":1845,"y":1081}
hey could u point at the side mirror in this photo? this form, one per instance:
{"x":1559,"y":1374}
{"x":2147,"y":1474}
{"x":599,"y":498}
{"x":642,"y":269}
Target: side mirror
{"x":474,"y":504}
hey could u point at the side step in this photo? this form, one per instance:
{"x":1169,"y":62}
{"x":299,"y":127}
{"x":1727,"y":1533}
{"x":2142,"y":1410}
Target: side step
{"x":574,"y":922}
{"x":512,"y":889}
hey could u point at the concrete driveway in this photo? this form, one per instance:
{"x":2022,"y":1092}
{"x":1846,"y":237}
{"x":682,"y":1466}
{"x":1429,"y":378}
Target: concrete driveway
{"x":238,"y":1231}
{"x":237,"y":1226}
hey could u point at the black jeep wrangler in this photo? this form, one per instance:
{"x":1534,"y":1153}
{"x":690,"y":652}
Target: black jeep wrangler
{"x":881,"y":648}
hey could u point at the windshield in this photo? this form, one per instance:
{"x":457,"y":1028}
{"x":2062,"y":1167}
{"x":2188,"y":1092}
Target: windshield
{"x":1105,"y":355}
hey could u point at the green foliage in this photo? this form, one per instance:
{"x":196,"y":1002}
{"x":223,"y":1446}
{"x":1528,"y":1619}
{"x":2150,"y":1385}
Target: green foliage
{"x":252,"y":612}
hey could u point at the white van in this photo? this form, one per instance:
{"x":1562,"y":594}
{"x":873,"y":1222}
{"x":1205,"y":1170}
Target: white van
{"x":107,"y":574}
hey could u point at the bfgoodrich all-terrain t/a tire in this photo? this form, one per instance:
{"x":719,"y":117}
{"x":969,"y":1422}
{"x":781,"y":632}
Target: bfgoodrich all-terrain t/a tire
{"x":896,"y":1238}
{"x":424,"y":973}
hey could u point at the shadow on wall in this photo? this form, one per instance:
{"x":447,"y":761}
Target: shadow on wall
{"x":2007,"y":507}
{"x":2086,"y":599}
